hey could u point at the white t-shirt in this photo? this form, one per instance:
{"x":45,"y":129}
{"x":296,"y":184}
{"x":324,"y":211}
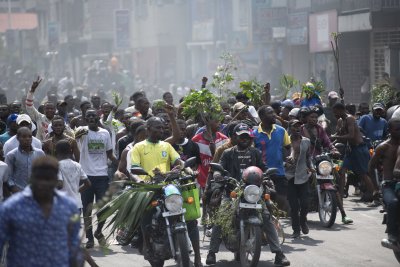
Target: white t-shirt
{"x":93,"y":147}
{"x":14,"y":143}
{"x":3,"y":177}
{"x":128,"y":157}
{"x":71,"y":173}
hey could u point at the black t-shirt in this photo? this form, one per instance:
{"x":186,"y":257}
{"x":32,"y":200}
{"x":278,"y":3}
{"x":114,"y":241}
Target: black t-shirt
{"x":187,"y":150}
{"x":122,"y":143}
{"x":235,"y":161}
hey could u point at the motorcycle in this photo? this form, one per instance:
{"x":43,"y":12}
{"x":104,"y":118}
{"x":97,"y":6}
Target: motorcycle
{"x":246,"y":200}
{"x":394,"y":247}
{"x":167,"y":233}
{"x":323,"y":199}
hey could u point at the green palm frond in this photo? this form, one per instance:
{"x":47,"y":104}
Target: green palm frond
{"x":126,"y":209}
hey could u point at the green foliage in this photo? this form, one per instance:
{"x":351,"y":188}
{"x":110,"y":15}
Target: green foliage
{"x":158,"y":104}
{"x":126,"y":209}
{"x":383,"y":93}
{"x":117,"y":99}
{"x":202,"y":103}
{"x":224,"y":75}
{"x":313,"y":87}
{"x":254,"y":90}
{"x":225,"y":217}
{"x":287,"y":83}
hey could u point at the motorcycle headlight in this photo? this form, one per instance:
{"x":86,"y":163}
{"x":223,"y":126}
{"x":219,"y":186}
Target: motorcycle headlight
{"x":252,"y":193}
{"x":325,"y":168}
{"x":174,"y":203}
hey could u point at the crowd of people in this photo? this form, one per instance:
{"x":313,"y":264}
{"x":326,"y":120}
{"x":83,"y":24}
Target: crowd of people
{"x":80,"y":145}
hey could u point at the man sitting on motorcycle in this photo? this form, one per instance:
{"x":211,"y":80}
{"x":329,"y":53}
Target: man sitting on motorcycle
{"x":235,"y":160}
{"x":320,"y":142}
{"x":388,"y":154}
{"x":156,"y":156}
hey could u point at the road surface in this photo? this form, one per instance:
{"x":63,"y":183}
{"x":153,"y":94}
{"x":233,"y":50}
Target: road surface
{"x":342,"y":245}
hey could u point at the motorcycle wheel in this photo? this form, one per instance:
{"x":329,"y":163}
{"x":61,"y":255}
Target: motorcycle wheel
{"x":250,"y":247}
{"x":327,"y":214}
{"x":182,"y":251}
{"x":279,"y":230}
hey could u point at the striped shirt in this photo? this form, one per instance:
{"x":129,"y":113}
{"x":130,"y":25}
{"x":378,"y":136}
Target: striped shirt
{"x":205,"y":154}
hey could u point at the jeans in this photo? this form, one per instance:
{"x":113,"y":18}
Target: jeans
{"x":298,"y":201}
{"x":268,"y":227}
{"x":96,"y":190}
{"x":392,"y":207}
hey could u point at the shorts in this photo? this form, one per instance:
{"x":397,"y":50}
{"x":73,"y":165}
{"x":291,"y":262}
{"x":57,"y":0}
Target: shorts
{"x":357,"y":159}
{"x":281,"y":184}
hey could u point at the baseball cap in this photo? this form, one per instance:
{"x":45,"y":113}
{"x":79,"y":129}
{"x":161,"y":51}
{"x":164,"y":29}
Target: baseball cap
{"x":294,"y":122}
{"x":12,"y":118}
{"x":288,"y":103}
{"x":23,"y":117}
{"x":242,"y":128}
{"x":238,"y":106}
{"x":333,"y":94}
{"x":294,"y":112}
{"x":378,"y":106}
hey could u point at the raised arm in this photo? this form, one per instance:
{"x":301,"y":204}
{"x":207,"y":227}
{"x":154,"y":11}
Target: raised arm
{"x":176,"y":134}
{"x":30,"y":108}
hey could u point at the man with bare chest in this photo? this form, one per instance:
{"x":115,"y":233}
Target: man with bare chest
{"x":357,"y":154}
{"x":388,"y":154}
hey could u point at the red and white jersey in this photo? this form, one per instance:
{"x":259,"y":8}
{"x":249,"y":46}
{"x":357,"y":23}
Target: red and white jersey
{"x":205,"y":154}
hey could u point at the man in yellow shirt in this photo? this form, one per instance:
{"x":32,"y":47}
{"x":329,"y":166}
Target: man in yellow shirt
{"x":153,"y":153}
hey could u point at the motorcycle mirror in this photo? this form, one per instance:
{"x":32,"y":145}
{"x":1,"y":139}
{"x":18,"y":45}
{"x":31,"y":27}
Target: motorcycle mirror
{"x":138,"y":171}
{"x":271,"y":171}
{"x":217,"y":167}
{"x":190,"y":162}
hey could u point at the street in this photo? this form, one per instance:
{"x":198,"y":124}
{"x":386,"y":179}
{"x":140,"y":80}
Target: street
{"x":342,"y":245}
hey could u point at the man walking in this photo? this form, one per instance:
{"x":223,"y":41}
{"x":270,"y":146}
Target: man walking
{"x":40,"y":224}
{"x":19,"y":160}
{"x":274,"y":143}
{"x":95,"y":146}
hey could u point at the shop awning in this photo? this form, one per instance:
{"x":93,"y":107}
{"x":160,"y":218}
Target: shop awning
{"x":19,"y":21}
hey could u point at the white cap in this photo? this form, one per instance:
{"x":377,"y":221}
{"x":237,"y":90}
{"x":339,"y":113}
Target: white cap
{"x":23,"y":117}
{"x":294,"y":112}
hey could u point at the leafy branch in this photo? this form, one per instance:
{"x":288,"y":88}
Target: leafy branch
{"x":287,"y":82}
{"x":203,"y":104}
{"x":254,"y":90}
{"x":224,"y":76}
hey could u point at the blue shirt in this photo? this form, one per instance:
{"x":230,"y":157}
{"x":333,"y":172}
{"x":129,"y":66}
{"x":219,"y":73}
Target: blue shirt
{"x":36,"y":241}
{"x":308,"y":102}
{"x":271,"y":145}
{"x":4,"y":137}
{"x":19,"y":166}
{"x":374,"y":129}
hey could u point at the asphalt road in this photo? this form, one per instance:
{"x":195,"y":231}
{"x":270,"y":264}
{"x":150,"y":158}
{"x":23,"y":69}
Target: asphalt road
{"x":342,"y":245}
